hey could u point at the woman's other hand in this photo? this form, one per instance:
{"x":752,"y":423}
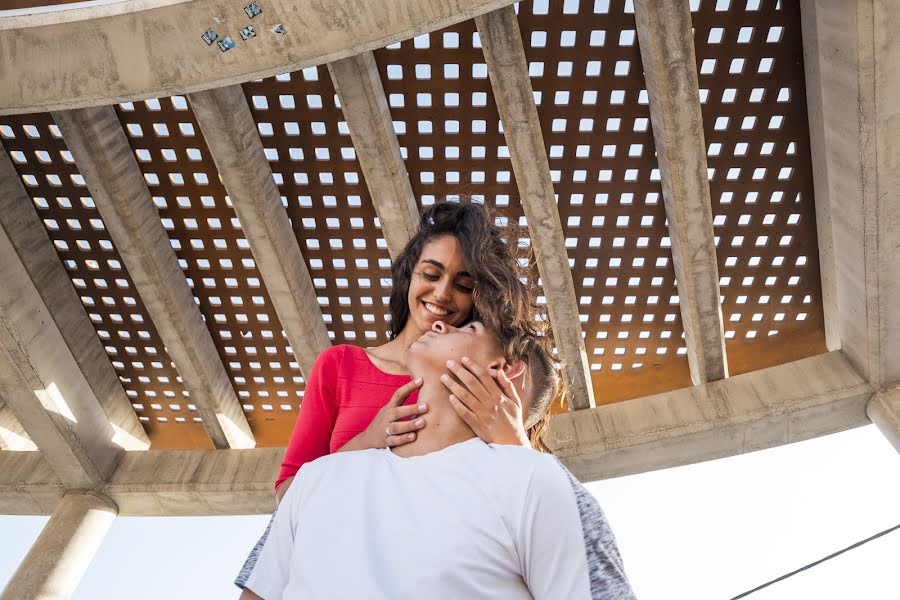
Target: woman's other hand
{"x":488,"y":402}
{"x":390,"y":426}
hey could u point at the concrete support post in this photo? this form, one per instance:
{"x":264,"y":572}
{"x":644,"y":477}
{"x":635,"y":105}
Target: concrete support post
{"x":853,"y":82}
{"x":358,"y":85}
{"x":508,"y":69}
{"x":233,"y":141}
{"x":884,"y":410}
{"x":670,"y":70}
{"x":59,"y":558}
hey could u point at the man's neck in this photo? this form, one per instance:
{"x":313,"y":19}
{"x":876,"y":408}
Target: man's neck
{"x":443,"y":427}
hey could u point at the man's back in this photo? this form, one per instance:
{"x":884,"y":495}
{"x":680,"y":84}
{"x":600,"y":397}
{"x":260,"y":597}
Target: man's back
{"x":472,"y":520}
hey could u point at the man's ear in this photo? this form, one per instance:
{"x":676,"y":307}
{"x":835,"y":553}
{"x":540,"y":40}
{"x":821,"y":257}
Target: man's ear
{"x":514,"y":369}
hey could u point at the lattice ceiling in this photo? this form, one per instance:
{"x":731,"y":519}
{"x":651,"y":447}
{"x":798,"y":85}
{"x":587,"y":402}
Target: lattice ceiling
{"x":586,"y":72}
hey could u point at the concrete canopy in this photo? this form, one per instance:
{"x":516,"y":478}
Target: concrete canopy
{"x":245,"y":213}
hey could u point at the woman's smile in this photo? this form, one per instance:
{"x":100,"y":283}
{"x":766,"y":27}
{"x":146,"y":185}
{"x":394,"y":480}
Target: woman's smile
{"x":436,"y":309}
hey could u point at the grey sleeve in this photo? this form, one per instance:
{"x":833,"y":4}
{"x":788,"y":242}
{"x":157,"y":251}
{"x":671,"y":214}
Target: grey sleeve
{"x":605,"y":569}
{"x":247,"y":569}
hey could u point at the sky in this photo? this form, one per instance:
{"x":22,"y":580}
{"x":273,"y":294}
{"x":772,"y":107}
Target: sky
{"x":707,"y":531}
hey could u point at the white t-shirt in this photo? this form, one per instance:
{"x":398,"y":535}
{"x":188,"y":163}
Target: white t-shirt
{"x":471,"y":521}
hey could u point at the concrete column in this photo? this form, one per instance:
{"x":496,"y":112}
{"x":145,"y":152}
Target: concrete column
{"x":235,"y":146}
{"x":358,"y":85}
{"x":508,"y":70}
{"x":61,"y":555}
{"x":884,"y":410}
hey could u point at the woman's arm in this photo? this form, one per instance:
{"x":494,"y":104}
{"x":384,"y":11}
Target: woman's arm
{"x":317,"y":416}
{"x":391,"y":418}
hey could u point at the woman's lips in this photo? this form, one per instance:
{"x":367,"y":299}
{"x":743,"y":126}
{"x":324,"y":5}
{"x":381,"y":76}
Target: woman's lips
{"x":435,"y":311}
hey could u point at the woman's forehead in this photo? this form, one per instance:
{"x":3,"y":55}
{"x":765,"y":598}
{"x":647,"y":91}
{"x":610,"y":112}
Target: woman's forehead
{"x":446,"y":250}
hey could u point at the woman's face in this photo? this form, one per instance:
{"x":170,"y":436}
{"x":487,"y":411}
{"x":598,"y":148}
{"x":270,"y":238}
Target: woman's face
{"x":440,"y":288}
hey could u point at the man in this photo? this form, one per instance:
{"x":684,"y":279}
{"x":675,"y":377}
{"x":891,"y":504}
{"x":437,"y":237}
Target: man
{"x":446,"y":516}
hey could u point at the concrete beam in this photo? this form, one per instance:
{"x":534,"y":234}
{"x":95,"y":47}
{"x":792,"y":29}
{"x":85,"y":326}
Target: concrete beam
{"x":854,"y":76}
{"x":884,"y":410}
{"x":28,"y":484}
{"x":66,"y":546}
{"x":98,"y":144}
{"x":21,"y":225}
{"x":233,"y":141}
{"x":155,"y":483}
{"x":13,"y":436}
{"x":358,"y":85}
{"x":788,"y":403}
{"x":40,"y":380}
{"x":816,"y":117}
{"x":505,"y":57}
{"x":666,"y":42}
{"x":114,"y":52}
{"x":211,"y":482}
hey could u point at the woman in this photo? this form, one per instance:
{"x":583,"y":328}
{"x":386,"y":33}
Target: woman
{"x":455,"y":268}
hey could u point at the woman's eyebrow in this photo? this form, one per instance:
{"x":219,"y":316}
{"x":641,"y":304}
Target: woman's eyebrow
{"x":431,"y":261}
{"x":440,"y":266}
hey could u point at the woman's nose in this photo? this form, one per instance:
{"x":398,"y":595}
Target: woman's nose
{"x":443,"y":290}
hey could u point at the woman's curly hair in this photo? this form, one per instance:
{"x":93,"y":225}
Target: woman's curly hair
{"x":503,"y":299}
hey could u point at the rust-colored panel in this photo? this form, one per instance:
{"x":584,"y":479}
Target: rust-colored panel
{"x":211,"y":248}
{"x":750,"y":64}
{"x":102,"y":282}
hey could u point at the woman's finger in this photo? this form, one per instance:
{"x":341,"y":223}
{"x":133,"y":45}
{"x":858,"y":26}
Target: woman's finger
{"x":467,"y":378}
{"x":400,"y":413}
{"x":484,"y":377}
{"x":403,"y":392}
{"x":463,"y":411}
{"x":399,"y":440}
{"x":461,"y":392}
{"x":401,"y":427}
{"x":506,"y":386}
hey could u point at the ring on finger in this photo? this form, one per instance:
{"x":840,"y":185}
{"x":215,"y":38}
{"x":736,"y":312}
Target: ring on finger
{"x":387,"y":431}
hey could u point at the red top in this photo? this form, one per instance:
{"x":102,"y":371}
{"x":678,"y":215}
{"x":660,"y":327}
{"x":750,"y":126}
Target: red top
{"x":343,"y":393}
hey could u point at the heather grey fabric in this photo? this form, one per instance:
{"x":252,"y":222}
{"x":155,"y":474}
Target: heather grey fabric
{"x":241,"y":580}
{"x":605,"y":568}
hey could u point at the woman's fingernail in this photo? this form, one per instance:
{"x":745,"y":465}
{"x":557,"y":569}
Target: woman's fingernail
{"x":419,"y":381}
{"x":412,"y":436}
{"x":465,"y":359}
{"x":419,"y":422}
{"x":422,"y":408}
{"x":451,"y":363}
{"x":445,"y":378}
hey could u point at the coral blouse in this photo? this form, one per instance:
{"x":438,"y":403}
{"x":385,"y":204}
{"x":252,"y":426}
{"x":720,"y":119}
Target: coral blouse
{"x":344,"y":391}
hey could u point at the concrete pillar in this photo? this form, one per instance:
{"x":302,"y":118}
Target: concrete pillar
{"x":61,"y":555}
{"x":884,"y":410}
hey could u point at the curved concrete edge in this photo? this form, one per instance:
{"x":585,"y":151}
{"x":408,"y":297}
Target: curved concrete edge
{"x":47,"y":65}
{"x":884,"y":410}
{"x":788,"y":403}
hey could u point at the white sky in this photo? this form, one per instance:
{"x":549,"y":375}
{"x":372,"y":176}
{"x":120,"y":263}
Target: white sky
{"x":706,"y":531}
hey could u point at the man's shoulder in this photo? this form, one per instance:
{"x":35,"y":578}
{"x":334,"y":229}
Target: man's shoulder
{"x":540,"y":468}
{"x":338,"y":463}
